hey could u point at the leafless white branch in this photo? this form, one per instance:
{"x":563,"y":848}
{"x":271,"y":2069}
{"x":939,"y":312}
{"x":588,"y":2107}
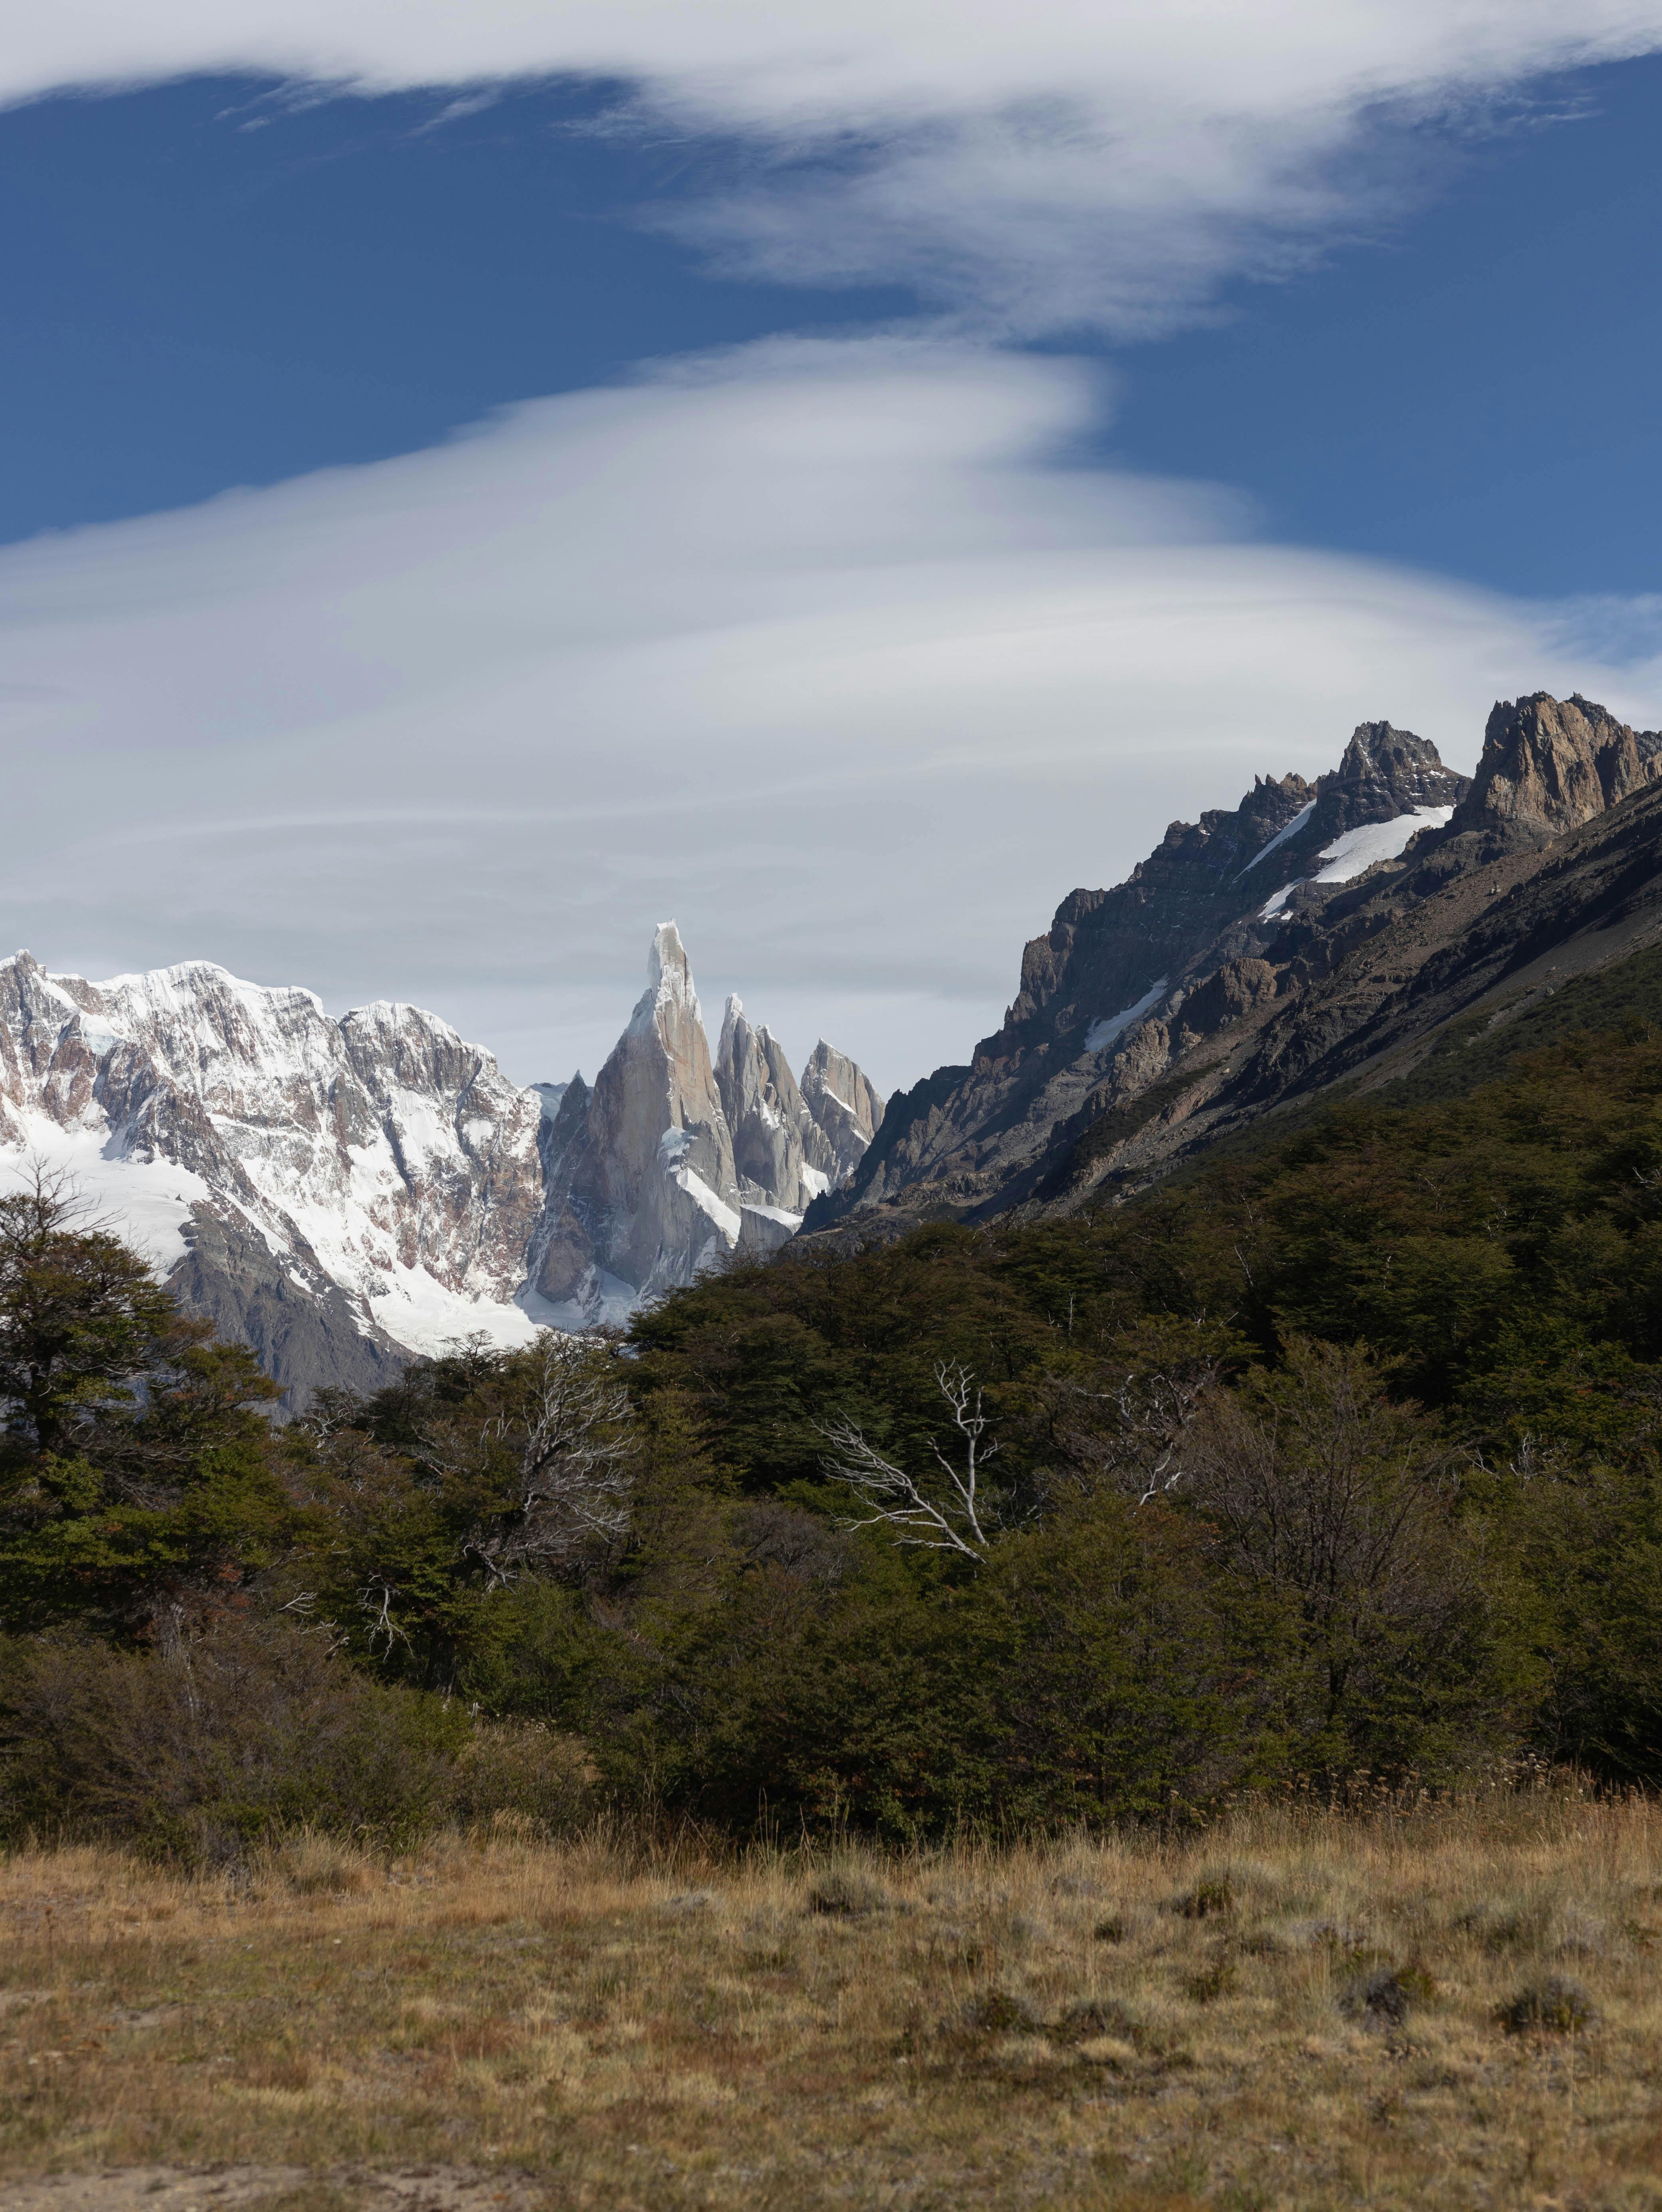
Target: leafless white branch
{"x":572,"y":1438}
{"x":948,"y":1514}
{"x":1152,"y":1413}
{"x":376,"y":1598}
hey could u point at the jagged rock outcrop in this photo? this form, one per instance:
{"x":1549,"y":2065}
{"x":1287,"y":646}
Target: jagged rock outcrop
{"x":671,"y":1161}
{"x":1109,"y":982}
{"x":642,"y":1192}
{"x":1230,"y":993}
{"x":1551,"y":863}
{"x":1549,"y":765}
{"x":792,"y":1142}
{"x":846,"y":1109}
{"x":767,"y":1117}
{"x":1383,"y":773}
{"x":339,"y":1193}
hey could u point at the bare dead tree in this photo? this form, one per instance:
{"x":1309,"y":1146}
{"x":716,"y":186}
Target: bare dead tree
{"x":48,"y":1199}
{"x":1133,"y":1434}
{"x":572,"y":1439}
{"x":946,"y":1511}
{"x":376,"y":1598}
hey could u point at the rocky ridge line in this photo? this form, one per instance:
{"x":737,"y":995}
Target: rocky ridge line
{"x":1385,"y":930}
{"x":1214,"y":893}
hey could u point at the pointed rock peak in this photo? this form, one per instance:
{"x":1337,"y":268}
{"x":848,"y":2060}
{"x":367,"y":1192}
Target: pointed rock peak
{"x":840,"y":1094}
{"x":667,"y":965}
{"x":668,"y":980}
{"x":1370,"y":742}
{"x":1394,"y":765}
{"x":1385,"y":774}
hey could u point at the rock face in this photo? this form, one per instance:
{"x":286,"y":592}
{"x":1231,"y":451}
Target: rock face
{"x":770,"y":1124}
{"x":792,"y":1142}
{"x":1114,"y":962}
{"x":642,"y":1193}
{"x":846,"y":1109}
{"x":1549,"y":765}
{"x":339,"y":1193}
{"x":671,"y":1161}
{"x":1410,"y":898}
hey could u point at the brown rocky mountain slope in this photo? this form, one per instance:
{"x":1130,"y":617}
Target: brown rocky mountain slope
{"x":1549,"y":863}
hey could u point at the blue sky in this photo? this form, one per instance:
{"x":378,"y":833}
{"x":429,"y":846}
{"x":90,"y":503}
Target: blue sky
{"x":840,"y":483}
{"x":1479,"y":389}
{"x":211,"y":284}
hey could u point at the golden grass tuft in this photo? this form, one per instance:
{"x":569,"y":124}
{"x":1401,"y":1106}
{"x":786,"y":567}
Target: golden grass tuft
{"x":1456,"y":2007}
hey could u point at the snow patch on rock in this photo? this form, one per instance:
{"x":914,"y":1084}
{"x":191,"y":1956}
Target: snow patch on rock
{"x":1280,"y":838}
{"x":1276,"y":900}
{"x":1359,"y":850}
{"x":1102,"y":1033}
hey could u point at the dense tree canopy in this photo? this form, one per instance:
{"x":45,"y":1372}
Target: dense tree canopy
{"x":1338,"y":1455}
{"x":136,"y":1487}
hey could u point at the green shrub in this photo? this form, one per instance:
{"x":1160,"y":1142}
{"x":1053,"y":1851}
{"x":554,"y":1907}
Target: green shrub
{"x":228,"y":1741}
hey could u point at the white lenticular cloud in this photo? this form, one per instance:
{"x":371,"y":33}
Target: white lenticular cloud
{"x":826,"y":650}
{"x":1052,"y":164}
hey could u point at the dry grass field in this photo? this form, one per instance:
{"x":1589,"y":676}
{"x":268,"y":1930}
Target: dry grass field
{"x":1453,"y":2007}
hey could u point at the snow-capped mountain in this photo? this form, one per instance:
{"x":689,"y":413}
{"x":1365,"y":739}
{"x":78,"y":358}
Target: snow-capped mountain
{"x":342,"y":1194}
{"x":339,"y":1193}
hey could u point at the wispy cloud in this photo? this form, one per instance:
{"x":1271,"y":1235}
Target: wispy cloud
{"x":1051,"y":165}
{"x":827,"y":650}
{"x":834,"y":651}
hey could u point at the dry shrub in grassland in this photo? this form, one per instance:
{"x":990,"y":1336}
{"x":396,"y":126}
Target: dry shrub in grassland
{"x":1003,"y":2012}
{"x":1223,"y":1887}
{"x":1089,"y":2018}
{"x":520,"y":1777}
{"x":1385,"y":1997}
{"x":1556,"y":2006}
{"x":317,"y":1865}
{"x":1210,"y":1897}
{"x":847,"y":1890}
{"x":258,"y":1728}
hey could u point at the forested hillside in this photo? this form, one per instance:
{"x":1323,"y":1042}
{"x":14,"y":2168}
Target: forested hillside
{"x":1338,"y":1457}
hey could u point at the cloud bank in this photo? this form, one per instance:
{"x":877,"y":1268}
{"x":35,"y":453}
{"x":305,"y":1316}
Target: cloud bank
{"x":1064,"y":163}
{"x":829,"y":651}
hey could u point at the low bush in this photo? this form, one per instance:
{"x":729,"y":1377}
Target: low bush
{"x":258,"y":1728}
{"x":1556,"y":2006}
{"x":1384,"y":1997}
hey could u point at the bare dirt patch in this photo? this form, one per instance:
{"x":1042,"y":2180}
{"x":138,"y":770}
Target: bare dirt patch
{"x":275,"y":2189}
